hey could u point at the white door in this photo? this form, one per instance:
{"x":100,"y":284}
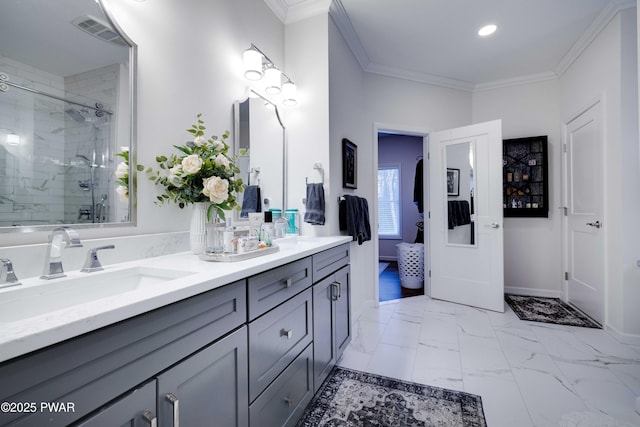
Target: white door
{"x":465,"y":197}
{"x":584,"y":225}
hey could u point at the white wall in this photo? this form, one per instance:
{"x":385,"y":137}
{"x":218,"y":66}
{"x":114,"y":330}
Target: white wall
{"x":532,"y":246}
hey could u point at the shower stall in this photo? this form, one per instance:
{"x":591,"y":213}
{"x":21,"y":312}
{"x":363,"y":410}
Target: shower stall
{"x":59,"y":168}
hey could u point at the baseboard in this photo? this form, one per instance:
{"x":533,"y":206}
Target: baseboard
{"x":532,"y":292}
{"x":633,"y":339}
{"x":388,"y":258}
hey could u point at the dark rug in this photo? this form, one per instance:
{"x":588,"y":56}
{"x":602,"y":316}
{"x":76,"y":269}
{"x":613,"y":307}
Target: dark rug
{"x":548,"y":310}
{"x":351,"y":398}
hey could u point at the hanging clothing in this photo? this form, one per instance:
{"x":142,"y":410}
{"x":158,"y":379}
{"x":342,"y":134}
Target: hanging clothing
{"x":458,"y":213}
{"x":418,"y":188}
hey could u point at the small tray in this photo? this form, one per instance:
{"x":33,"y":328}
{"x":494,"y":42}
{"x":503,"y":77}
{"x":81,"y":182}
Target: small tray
{"x":222,"y":257}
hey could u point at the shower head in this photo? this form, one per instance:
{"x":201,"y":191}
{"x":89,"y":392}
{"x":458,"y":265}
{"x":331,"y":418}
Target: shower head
{"x":76,"y":115}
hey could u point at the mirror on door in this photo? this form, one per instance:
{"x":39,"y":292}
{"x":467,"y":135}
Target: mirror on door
{"x":461,"y":225}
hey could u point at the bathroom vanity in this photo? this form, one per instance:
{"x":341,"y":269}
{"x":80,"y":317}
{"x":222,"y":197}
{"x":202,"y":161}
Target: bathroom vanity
{"x":236,"y":344}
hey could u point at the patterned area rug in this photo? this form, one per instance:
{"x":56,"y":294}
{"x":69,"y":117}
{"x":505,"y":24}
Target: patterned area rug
{"x":351,"y":398}
{"x":548,"y":310}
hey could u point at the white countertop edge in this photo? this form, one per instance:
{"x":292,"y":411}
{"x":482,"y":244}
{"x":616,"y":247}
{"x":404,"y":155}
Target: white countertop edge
{"x":19,"y":338}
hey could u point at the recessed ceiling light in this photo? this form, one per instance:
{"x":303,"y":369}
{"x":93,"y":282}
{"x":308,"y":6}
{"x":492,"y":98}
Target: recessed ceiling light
{"x":487,"y":30}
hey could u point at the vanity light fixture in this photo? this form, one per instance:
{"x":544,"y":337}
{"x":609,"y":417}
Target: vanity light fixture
{"x":258,"y":67}
{"x":487,"y":30}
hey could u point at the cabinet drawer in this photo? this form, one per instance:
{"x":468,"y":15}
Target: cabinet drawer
{"x":268,"y":289}
{"x":326,"y":262}
{"x":284,"y":401}
{"x":276,"y":338}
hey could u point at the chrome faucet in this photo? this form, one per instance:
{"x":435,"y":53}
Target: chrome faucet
{"x":92,"y":263}
{"x":53,"y":259}
{"x":7,"y":276}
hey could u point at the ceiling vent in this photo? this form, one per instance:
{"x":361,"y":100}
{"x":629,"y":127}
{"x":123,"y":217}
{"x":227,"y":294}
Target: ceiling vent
{"x":98,"y":29}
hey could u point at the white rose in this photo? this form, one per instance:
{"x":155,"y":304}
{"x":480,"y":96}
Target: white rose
{"x":174,"y":175}
{"x":200,"y":140}
{"x":222,"y":160}
{"x":122,"y":170}
{"x":192,"y":164}
{"x":216,"y":188}
{"x":123,"y":192}
{"x":219,"y":145}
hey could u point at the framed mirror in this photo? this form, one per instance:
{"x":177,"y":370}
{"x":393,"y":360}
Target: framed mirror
{"x":67,"y":85}
{"x":260,"y":132}
{"x":460,"y":161}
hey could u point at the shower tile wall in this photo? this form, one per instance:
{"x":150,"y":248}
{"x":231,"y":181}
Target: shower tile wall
{"x":85,"y":137}
{"x":37,"y":175}
{"x":30,"y":188}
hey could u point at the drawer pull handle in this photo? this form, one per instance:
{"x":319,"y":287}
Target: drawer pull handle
{"x":151,"y":417}
{"x":173,"y":400}
{"x":286,"y":333}
{"x":288,"y":401}
{"x":288,"y":283}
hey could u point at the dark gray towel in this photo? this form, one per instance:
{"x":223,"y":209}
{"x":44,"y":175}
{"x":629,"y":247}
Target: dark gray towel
{"x":251,"y":201}
{"x":353,"y":216}
{"x":458,"y":213}
{"x":315,"y":204}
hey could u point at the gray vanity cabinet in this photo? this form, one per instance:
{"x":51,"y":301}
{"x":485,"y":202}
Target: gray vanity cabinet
{"x":331,"y":322}
{"x":136,"y":409}
{"x":208,"y":388}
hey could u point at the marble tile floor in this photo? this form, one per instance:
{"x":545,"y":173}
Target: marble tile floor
{"x":528,"y":373}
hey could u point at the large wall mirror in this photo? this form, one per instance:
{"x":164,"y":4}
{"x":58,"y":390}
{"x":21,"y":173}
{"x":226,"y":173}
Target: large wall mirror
{"x":67,"y":106}
{"x":460,"y":161}
{"x":260,"y":132}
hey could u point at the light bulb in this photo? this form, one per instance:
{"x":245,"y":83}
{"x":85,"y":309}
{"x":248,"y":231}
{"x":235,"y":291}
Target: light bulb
{"x":487,"y":30}
{"x":13,"y":139}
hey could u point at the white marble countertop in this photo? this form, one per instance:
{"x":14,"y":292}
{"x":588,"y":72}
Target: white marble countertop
{"x":38,"y":331}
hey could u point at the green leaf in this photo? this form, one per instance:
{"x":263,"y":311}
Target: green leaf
{"x":139,"y":168}
{"x":192,"y":131}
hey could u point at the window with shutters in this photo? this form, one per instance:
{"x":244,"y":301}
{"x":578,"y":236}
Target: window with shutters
{"x":389,"y":218}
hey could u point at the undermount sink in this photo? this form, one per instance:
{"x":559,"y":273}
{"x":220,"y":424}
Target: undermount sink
{"x":38,"y":299}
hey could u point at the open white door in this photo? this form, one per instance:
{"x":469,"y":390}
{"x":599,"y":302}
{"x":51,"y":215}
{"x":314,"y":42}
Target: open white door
{"x":465,"y":197}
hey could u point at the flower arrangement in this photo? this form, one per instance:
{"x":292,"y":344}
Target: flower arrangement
{"x":202,"y":172}
{"x":122,"y":175}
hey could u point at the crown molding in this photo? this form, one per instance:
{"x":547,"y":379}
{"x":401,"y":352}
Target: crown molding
{"x":340,"y":17}
{"x":279,"y":8}
{"x":592,"y":32}
{"x":516,"y":81}
{"x":420,"y":77}
{"x":288,"y":14}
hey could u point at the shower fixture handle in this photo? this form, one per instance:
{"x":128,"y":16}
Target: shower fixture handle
{"x":92,"y":263}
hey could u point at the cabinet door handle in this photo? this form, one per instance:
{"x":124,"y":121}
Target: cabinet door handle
{"x":335,"y":291}
{"x":175,"y":403}
{"x":151,"y":417}
{"x":288,"y":282}
{"x":287,"y":400}
{"x":339,"y":289}
{"x":286,"y":333}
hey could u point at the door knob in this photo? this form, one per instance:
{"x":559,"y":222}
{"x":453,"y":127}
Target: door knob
{"x":493,"y":225}
{"x":596,"y":224}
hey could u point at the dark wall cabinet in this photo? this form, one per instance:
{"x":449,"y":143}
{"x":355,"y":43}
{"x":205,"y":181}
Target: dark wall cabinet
{"x":525,"y":177}
{"x":239,"y":355}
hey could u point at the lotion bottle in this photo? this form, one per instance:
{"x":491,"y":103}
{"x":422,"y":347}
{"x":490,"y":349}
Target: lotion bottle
{"x":228,"y":236}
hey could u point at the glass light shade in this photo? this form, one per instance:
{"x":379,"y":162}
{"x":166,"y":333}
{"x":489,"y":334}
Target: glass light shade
{"x":13,"y":139}
{"x":289,"y":91}
{"x":272,"y":77}
{"x":252,"y":64}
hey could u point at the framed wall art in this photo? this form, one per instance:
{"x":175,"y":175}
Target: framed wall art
{"x":525,"y":177}
{"x":349,"y":164}
{"x":453,"y":182}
